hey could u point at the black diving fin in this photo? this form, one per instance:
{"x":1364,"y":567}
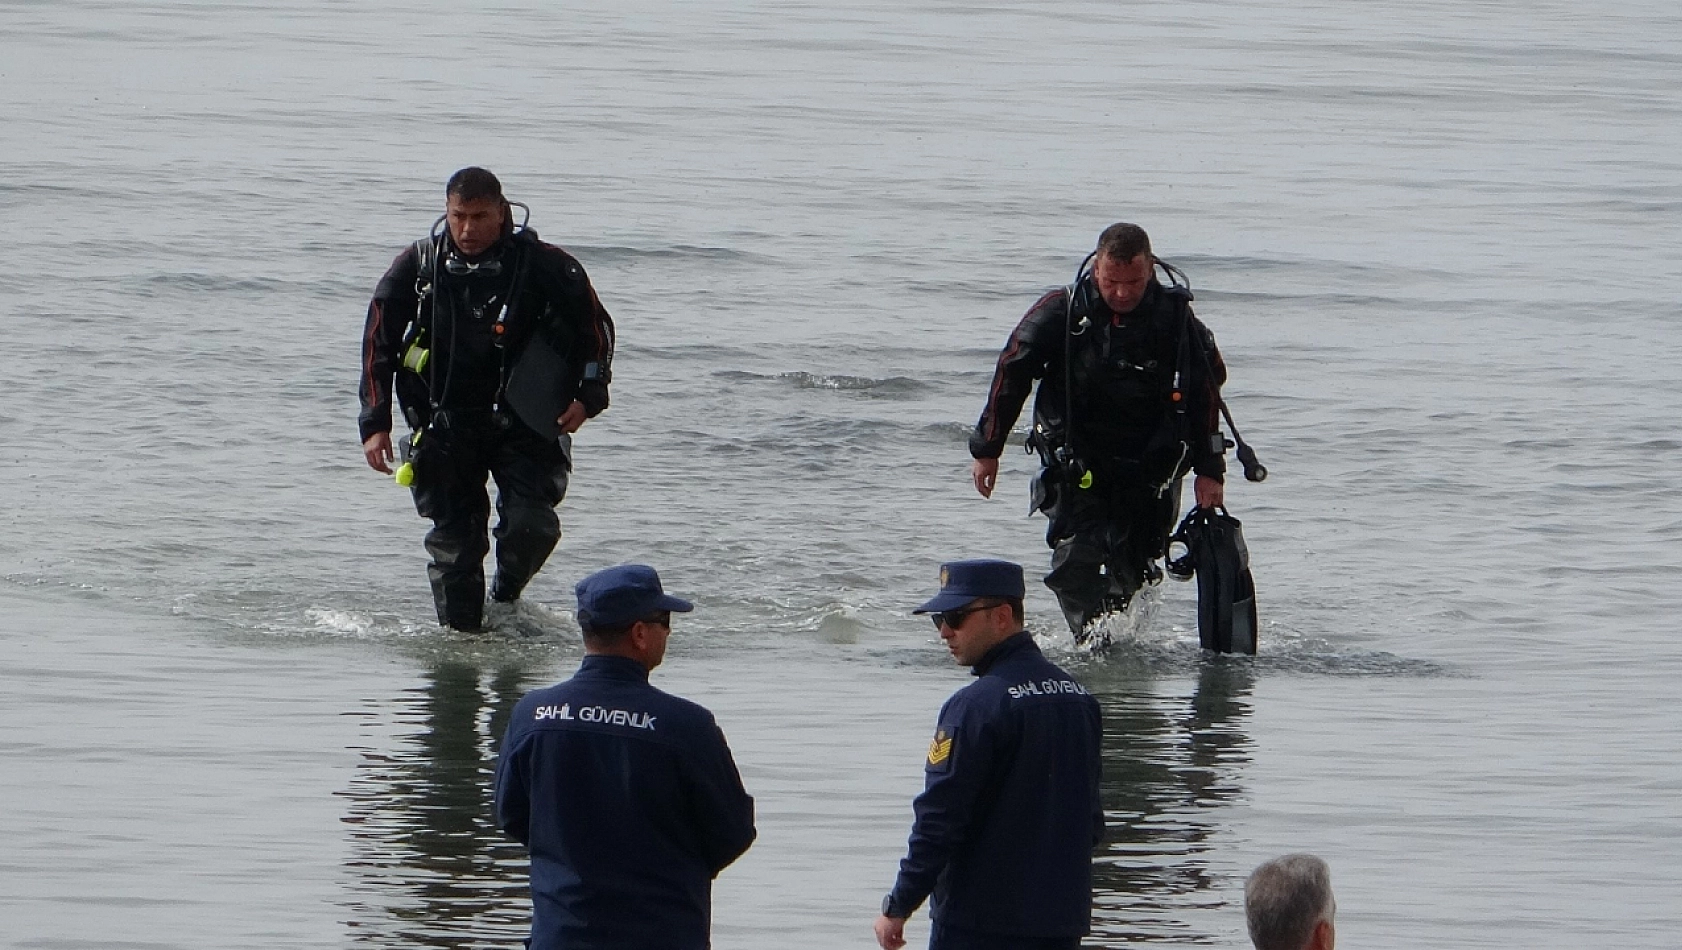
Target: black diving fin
{"x":1226,"y":594}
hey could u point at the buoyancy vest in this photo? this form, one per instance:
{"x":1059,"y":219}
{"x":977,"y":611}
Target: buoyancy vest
{"x":1121,"y":374}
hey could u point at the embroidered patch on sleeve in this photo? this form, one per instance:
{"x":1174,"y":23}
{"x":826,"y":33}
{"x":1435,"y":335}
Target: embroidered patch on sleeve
{"x":940,"y":750}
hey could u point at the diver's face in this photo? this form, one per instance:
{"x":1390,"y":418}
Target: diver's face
{"x":1122,"y":284}
{"x":474,"y":225}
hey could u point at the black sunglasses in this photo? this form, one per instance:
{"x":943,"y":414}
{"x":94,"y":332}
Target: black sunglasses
{"x":952,"y":618}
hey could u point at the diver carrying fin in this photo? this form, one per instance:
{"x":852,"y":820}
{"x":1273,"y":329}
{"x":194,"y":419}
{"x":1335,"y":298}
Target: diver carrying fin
{"x":1213,"y":541}
{"x":1128,"y":404}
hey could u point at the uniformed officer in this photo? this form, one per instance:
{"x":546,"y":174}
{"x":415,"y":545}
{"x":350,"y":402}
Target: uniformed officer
{"x":1009,"y":813}
{"x":627,"y":796}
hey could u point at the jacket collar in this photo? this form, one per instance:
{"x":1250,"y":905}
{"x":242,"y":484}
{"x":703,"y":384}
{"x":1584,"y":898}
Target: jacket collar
{"x":1022,"y":642}
{"x":602,"y":666}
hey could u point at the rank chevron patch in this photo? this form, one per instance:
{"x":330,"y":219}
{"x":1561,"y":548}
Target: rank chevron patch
{"x":941,"y":748}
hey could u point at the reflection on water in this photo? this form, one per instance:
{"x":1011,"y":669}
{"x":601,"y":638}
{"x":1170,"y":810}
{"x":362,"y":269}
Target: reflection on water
{"x":428,"y":866}
{"x":1170,"y":761}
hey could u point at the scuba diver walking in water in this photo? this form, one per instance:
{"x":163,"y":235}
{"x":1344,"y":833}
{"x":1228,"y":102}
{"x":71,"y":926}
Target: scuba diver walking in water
{"x":497,"y":349}
{"x":1129,"y":402}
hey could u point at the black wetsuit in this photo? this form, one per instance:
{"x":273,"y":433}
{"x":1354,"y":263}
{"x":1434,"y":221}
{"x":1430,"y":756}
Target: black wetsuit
{"x":458,"y":400}
{"x":1128,"y":432}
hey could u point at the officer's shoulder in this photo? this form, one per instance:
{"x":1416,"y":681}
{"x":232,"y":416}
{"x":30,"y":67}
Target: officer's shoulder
{"x":1038,"y":677}
{"x":1053,"y":669}
{"x":544,"y":693}
{"x":685,"y":711}
{"x":982,"y":697}
{"x":546,"y":696}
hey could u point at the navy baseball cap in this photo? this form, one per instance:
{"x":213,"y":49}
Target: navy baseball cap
{"x":964,"y":581}
{"x":620,"y":596}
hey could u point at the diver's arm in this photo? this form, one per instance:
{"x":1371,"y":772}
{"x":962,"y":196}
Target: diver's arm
{"x":1023,"y":360}
{"x":597,"y":339}
{"x":1207,"y":373}
{"x":377,"y":450}
{"x":390,"y":312}
{"x":573,"y":417}
{"x":985,"y":474}
{"x":1209,"y":492}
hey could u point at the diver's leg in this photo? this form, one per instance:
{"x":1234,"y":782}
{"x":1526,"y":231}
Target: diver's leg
{"x":450,"y":489}
{"x":1140,"y":525}
{"x":1078,"y":541}
{"x":531,"y":480}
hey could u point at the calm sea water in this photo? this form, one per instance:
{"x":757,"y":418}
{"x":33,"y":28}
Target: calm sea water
{"x":1437,"y":242}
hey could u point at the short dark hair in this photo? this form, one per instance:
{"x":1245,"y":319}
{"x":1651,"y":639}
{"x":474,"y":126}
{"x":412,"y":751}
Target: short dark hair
{"x":1015,"y":604}
{"x":1285,"y":899}
{"x":473,"y":183}
{"x":1123,"y":242}
{"x":607,"y":636}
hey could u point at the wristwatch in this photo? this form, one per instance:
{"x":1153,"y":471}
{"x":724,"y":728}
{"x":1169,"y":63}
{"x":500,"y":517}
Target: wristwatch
{"x":892,"y":909}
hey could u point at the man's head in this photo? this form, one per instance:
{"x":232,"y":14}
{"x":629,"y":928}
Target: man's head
{"x":1288,"y":904}
{"x":475,"y":210}
{"x":624,"y":611}
{"x":978,"y":607}
{"x":1123,"y":267}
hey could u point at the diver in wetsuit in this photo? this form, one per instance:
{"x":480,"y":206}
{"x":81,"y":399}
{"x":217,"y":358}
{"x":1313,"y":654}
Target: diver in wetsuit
{"x":498,"y":349}
{"x":1128,"y":403}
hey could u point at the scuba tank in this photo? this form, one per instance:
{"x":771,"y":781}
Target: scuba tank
{"x":1215,"y":553}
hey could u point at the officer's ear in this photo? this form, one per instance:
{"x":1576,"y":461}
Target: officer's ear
{"x":1000,"y":618}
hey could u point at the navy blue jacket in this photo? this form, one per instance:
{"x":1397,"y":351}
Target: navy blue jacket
{"x":630,"y":803}
{"x":1009,"y":812}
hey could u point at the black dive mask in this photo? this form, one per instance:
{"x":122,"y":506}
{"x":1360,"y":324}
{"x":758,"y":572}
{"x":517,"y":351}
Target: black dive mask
{"x":461,"y":267}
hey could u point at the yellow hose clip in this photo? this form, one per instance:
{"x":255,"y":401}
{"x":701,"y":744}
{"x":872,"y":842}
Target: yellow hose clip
{"x":405,"y":474}
{"x":415,"y":357}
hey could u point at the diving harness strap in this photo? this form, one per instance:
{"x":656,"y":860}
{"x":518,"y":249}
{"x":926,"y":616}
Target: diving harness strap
{"x":416,"y":351}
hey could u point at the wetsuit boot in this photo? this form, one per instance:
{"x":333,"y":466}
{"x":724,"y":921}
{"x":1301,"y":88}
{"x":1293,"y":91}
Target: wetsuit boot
{"x":458,"y":580}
